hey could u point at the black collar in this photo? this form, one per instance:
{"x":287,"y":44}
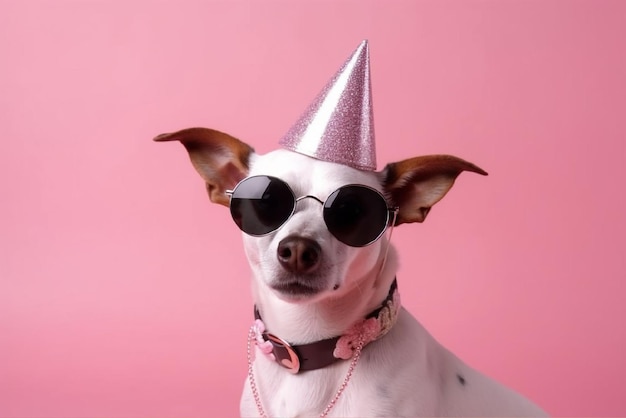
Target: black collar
{"x":319,"y":354}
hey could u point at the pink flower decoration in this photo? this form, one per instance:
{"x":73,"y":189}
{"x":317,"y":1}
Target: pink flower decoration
{"x":368,"y":330}
{"x":265,"y":346}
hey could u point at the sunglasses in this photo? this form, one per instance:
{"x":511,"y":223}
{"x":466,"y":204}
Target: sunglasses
{"x":355,"y":214}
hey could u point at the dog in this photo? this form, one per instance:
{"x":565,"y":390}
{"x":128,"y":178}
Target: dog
{"x":324,"y":283}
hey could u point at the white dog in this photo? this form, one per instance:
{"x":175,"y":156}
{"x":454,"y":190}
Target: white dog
{"x":330,"y":336}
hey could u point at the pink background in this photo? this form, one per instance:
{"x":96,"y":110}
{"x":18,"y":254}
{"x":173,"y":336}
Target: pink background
{"x":124,"y":292}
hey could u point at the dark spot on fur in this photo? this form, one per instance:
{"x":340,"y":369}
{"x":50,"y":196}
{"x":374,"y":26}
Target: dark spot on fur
{"x":382,"y":391}
{"x":336,"y":287}
{"x":461,"y":379}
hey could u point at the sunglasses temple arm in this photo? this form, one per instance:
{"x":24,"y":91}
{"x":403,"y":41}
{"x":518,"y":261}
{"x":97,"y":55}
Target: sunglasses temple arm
{"x":393,"y":223}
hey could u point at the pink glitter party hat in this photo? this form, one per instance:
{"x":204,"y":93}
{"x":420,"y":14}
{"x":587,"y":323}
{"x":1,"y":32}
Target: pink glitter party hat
{"x":339,"y":125}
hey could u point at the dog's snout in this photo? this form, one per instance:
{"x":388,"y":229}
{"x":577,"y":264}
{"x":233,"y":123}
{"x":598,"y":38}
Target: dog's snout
{"x":299,"y":255}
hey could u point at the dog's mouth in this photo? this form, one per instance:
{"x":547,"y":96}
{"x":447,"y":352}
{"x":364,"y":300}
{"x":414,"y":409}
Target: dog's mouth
{"x":295,"y":289}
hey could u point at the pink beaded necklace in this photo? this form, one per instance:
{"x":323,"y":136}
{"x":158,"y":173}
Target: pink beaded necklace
{"x":331,"y":404}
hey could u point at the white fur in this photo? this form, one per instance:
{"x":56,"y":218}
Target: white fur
{"x":405,"y":373}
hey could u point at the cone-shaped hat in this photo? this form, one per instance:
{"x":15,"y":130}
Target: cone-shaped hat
{"x":339,"y":125}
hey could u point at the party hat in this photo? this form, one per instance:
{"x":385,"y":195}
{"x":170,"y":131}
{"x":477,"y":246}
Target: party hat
{"x":338,"y":125}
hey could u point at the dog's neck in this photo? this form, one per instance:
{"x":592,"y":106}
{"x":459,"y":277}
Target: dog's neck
{"x":301,"y":323}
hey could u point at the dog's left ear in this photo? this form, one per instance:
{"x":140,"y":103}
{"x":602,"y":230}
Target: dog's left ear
{"x":220,"y":159}
{"x":416,"y":184}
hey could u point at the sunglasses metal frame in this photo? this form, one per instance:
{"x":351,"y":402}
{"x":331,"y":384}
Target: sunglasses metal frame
{"x":392,"y":212}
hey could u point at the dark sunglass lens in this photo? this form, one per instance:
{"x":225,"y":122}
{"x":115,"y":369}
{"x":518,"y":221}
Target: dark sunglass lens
{"x":355,"y":215}
{"x":261,"y":204}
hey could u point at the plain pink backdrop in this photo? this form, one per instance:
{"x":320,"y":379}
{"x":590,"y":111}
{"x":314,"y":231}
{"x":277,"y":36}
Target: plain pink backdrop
{"x":124,"y":292}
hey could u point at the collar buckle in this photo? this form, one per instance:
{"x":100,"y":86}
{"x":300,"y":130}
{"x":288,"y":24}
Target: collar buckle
{"x":285,"y":354}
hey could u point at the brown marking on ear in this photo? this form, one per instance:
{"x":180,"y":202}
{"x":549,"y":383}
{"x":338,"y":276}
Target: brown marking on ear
{"x":416,"y":184}
{"x":220,"y":159}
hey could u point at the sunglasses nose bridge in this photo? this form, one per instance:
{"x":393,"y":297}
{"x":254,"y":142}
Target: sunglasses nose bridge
{"x":309,"y":196}
{"x":301,"y":198}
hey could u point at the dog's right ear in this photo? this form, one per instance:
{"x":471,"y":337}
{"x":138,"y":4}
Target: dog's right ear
{"x":416,"y":184}
{"x":219,"y":158}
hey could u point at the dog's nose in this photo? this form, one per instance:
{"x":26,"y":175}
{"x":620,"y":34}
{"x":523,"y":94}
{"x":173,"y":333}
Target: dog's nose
{"x":299,"y":255}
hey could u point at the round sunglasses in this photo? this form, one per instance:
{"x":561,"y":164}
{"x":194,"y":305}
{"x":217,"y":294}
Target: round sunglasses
{"x":355,"y":214}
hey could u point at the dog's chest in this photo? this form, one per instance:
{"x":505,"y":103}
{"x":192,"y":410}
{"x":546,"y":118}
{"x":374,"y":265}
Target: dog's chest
{"x":388,"y":380}
{"x":310,"y":393}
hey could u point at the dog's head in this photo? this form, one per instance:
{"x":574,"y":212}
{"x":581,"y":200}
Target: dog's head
{"x":312,"y":239}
